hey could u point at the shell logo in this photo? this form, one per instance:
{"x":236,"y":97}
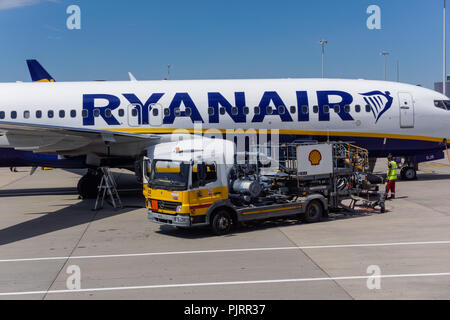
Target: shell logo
{"x":315,"y":157}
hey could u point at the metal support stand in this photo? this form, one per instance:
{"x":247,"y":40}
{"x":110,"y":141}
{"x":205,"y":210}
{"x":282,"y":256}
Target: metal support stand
{"x":106,"y":188}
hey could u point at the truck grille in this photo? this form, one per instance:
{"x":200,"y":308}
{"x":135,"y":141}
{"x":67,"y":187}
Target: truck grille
{"x":167,"y":205}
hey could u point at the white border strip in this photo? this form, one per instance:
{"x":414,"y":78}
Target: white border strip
{"x":227,"y":251}
{"x":210,"y":284}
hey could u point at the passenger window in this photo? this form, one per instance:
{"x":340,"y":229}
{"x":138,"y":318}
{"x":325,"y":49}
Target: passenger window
{"x":281,"y":110}
{"x":305,"y":109}
{"x":257,"y":110}
{"x":347,"y":109}
{"x":246,"y":110}
{"x":167,"y":112}
{"x":62,"y":113}
{"x":50,"y":114}
{"x":155,"y":112}
{"x":134,"y":112}
{"x":84,"y":113}
{"x":108,"y":113}
{"x":222,"y":111}
{"x":26,"y":114}
{"x":188,"y":112}
{"x":13,"y":115}
{"x":2,"y":114}
{"x":358,"y":108}
{"x":293,"y":109}
{"x":234,"y":111}
{"x":97,"y":113}
{"x":211,"y":111}
{"x":73,"y":113}
{"x":177,"y":112}
{"x":38,"y":114}
{"x":337,"y":108}
{"x":326,"y":109}
{"x":121,"y":112}
{"x":269,"y":110}
{"x":368,"y":109}
{"x":316,"y":109}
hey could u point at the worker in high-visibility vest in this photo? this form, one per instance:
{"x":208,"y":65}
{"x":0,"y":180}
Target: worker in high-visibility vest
{"x":391,"y":176}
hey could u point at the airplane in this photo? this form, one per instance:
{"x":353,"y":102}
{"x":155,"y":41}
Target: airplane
{"x":17,"y":158}
{"x":10,"y":157}
{"x":114,"y":123}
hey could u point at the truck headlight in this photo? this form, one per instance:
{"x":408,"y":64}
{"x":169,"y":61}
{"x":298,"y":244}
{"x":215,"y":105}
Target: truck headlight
{"x":179,"y":208}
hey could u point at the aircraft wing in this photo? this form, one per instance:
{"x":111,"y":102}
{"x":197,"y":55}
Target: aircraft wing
{"x":73,"y":141}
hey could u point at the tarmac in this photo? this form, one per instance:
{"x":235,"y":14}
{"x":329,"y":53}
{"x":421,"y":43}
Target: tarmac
{"x":54,"y":246}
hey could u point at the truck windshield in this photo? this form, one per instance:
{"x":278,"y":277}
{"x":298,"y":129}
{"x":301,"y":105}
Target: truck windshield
{"x":170,"y":175}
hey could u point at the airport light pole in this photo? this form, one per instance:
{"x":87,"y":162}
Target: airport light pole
{"x":385,"y":54}
{"x":168,"y":72}
{"x":444,"y":76}
{"x":323,"y":43}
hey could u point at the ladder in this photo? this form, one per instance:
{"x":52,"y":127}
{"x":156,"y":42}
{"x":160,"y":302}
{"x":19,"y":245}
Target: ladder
{"x":106,"y":188}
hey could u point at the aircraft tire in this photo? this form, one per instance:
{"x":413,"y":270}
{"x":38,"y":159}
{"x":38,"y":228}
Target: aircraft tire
{"x":88,"y":186}
{"x":408,"y":174}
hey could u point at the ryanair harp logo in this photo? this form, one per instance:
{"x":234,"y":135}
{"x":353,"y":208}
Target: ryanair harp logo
{"x":379,"y":102}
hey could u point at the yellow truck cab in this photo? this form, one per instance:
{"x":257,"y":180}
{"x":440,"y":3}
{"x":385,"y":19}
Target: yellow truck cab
{"x":202,"y":182}
{"x":186,"y":180}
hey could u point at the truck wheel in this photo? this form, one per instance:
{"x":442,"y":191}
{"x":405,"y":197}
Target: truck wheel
{"x":314,"y":212}
{"x":222,"y":223}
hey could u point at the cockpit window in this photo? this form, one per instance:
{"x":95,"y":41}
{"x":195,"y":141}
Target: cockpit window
{"x":442,"y":104}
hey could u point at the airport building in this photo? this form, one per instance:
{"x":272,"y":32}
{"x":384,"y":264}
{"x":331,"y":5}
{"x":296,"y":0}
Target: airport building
{"x":438,"y":86}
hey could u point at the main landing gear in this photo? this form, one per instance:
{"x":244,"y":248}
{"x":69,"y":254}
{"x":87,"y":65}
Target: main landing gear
{"x":408,"y":173}
{"x":409,"y":169}
{"x":88,"y":185}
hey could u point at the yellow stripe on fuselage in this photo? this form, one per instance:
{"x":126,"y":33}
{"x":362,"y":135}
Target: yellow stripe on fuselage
{"x":168,"y":170}
{"x":284,"y":132}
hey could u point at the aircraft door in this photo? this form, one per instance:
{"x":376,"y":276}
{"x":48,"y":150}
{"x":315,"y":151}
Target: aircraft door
{"x":406,"y":110}
{"x":156,"y":115}
{"x":134,"y":115}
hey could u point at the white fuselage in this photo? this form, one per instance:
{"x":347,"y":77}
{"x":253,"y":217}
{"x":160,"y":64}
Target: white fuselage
{"x":298,"y":108}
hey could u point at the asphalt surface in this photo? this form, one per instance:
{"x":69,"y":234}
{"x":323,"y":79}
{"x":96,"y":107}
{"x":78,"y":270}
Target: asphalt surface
{"x":48,"y":237}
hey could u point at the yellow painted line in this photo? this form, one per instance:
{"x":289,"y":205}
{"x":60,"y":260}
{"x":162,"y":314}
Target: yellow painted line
{"x":436,"y":165}
{"x":282,"y":132}
{"x":271,"y":210}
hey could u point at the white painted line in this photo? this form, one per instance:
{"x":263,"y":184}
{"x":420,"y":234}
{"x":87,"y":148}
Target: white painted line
{"x":210,"y":284}
{"x":228,"y":251}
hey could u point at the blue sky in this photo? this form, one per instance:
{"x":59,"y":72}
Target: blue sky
{"x":221,"y":39}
